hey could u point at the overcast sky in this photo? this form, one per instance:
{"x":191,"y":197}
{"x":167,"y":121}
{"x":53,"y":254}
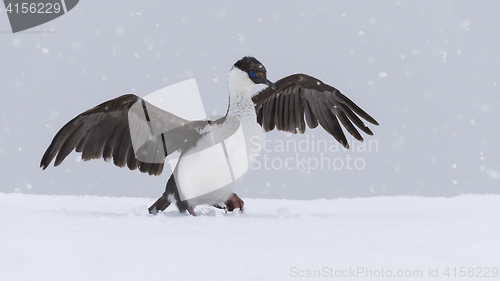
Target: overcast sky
{"x":428,"y":72}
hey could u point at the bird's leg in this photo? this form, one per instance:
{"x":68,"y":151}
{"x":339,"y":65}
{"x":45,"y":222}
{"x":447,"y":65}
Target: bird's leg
{"x":232,"y":203}
{"x":191,"y":211}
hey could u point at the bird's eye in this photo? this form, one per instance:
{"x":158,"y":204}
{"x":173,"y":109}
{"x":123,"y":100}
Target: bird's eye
{"x":252,"y":73}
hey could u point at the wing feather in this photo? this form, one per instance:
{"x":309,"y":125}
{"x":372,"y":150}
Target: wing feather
{"x":301,"y":100}
{"x":104,"y":132}
{"x":286,"y":112}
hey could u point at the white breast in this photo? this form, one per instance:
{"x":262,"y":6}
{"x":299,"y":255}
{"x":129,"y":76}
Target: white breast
{"x":204,"y":177}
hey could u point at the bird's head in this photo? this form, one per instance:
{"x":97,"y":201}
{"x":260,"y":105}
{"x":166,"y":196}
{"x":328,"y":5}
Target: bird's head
{"x":248,"y":72}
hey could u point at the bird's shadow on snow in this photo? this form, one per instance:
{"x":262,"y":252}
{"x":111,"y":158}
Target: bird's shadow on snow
{"x":201,"y":212}
{"x":280,"y":213}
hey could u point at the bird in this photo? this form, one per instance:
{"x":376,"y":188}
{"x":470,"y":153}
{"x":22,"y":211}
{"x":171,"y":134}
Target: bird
{"x":290,"y":104}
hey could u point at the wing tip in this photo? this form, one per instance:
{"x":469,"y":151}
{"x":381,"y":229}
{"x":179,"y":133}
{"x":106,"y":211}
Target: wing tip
{"x":44,"y":163}
{"x":344,"y":144}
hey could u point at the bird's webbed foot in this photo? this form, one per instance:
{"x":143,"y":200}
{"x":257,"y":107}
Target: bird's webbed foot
{"x":234,"y":202}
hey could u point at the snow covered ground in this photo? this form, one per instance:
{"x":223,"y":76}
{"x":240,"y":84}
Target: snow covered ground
{"x":105,"y":238}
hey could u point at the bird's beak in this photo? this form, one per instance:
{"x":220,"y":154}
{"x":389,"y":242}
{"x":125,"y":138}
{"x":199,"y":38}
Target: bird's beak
{"x":270,"y":84}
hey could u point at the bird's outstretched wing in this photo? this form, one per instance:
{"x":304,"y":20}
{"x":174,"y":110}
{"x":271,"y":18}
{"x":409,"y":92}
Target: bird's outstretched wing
{"x":301,"y":96}
{"x":104,"y":131}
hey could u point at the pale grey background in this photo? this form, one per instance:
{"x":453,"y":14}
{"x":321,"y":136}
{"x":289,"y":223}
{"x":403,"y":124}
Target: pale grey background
{"x":438,"y":106}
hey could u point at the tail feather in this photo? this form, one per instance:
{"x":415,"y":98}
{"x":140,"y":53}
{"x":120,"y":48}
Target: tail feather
{"x":160,"y":205}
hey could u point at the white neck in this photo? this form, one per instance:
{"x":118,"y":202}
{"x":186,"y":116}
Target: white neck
{"x":242,"y":108}
{"x":240,"y":98}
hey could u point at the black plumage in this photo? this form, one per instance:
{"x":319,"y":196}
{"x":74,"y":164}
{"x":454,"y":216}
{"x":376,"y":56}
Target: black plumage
{"x":104,"y":132}
{"x":300,"y":99}
{"x":288,"y":105}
